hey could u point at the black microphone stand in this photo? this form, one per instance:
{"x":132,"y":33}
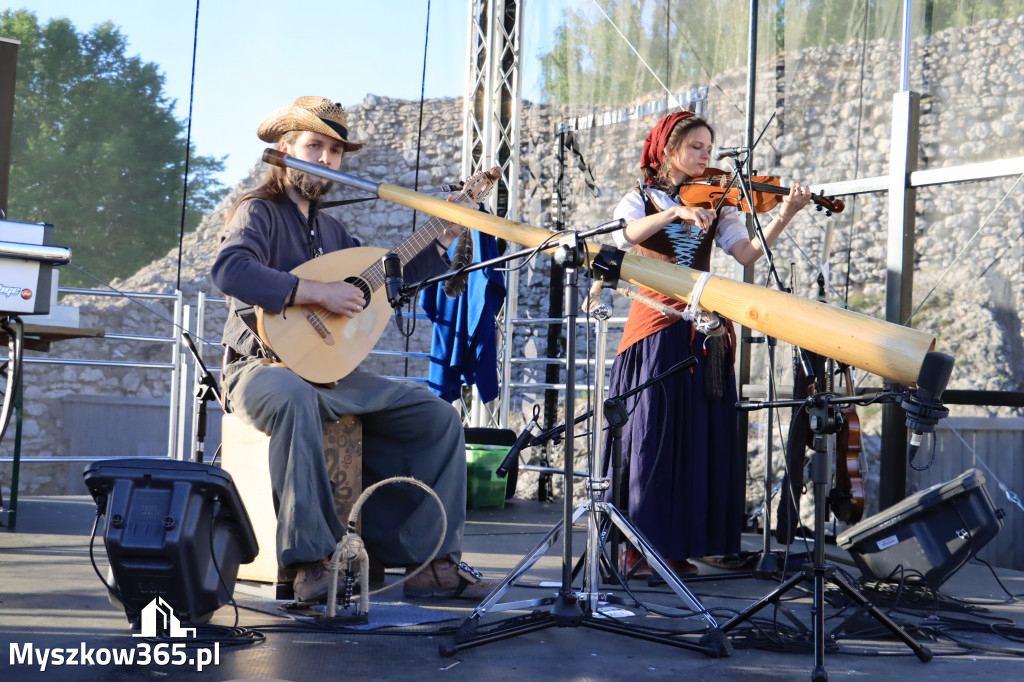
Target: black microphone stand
{"x":565,"y":610}
{"x":410,"y":289}
{"x":14,"y":328}
{"x":206,"y":390}
{"x":768,"y":565}
{"x":825,"y":420}
{"x":615,"y":413}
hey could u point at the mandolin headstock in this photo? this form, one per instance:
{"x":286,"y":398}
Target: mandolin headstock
{"x":477,"y":187}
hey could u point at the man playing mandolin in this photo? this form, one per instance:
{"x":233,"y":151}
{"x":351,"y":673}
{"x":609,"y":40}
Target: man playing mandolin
{"x":407,"y":430}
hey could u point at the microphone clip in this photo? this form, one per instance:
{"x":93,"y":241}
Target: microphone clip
{"x":923,"y":414}
{"x":923,"y":405}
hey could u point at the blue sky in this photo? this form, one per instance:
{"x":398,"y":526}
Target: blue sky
{"x":252,"y":58}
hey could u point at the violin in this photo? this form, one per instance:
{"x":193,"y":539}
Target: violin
{"x":847,"y":497}
{"x":717,"y":188}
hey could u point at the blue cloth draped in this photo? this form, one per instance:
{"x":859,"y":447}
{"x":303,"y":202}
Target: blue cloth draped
{"x":464,"y":348}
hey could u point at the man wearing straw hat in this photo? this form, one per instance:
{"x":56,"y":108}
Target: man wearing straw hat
{"x":407,"y":430}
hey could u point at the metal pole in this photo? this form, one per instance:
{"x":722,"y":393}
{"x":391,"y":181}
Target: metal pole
{"x":766,"y":566}
{"x":184,"y":436}
{"x":173,"y":432}
{"x":899,"y":286}
{"x":746,"y":274}
{"x":8,"y":76}
{"x":601,"y":312}
{"x":905,"y":48}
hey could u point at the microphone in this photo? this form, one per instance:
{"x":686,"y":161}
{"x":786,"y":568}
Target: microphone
{"x":513,"y":451}
{"x":393,"y":282}
{"x":610,"y":226}
{"x":924,"y":409}
{"x":728,"y":152}
{"x":805,"y":363}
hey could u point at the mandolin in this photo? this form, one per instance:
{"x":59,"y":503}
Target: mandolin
{"x":321,"y":346}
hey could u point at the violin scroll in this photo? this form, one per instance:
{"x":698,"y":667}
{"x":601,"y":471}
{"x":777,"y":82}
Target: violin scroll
{"x":828,"y":204}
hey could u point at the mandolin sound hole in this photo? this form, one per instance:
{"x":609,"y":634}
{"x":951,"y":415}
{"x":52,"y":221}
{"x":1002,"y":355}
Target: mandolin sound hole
{"x":363,"y":286}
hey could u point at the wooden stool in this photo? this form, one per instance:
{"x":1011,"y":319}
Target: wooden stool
{"x":244,"y":455}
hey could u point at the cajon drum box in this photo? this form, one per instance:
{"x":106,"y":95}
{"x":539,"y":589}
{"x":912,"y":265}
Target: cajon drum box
{"x":244,"y":456}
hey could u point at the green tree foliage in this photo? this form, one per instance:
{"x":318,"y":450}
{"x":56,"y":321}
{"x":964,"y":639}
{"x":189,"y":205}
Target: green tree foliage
{"x":637,"y":47}
{"x":96,"y":150}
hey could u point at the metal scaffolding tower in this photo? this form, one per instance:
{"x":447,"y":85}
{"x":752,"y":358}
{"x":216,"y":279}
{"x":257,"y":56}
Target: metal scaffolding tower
{"x":491,"y":137}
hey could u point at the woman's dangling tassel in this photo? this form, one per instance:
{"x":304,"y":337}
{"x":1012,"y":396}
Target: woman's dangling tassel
{"x":462,"y":257}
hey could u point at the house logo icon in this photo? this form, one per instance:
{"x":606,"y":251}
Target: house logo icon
{"x":157,"y":617}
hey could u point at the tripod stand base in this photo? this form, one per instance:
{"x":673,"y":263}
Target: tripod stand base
{"x":775,"y":565}
{"x":767,"y":566}
{"x":568,"y":609}
{"x":713,"y":643}
{"x":817,"y":574}
{"x":824,"y":419}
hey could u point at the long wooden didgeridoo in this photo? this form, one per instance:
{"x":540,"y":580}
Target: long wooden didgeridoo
{"x":883,"y":348}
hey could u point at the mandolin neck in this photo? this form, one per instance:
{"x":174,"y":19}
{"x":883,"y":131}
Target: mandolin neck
{"x":406,"y":250}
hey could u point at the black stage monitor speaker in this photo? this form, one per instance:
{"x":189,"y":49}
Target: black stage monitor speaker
{"x":934,"y":532}
{"x":176,"y":530}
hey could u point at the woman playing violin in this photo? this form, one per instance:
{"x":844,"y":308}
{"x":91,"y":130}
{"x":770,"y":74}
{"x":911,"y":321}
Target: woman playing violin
{"x":684,"y":476}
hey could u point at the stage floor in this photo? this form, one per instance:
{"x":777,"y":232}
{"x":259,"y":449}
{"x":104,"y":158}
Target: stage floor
{"x":51,"y":599}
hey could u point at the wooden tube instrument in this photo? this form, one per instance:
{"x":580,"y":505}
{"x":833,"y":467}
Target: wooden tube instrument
{"x":883,"y":348}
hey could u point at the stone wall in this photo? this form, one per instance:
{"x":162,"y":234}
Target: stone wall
{"x":976,"y":308}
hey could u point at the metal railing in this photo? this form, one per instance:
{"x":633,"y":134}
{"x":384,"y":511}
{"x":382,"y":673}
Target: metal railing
{"x":183,"y":401}
{"x":173,"y":367}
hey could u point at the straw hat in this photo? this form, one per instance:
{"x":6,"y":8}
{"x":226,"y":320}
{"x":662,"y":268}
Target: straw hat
{"x":315,"y":114}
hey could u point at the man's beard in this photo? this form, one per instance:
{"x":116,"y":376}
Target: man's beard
{"x":309,"y":186}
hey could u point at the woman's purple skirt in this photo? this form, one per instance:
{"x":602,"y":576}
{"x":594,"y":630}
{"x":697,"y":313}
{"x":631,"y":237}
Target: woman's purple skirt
{"x":683,"y":477}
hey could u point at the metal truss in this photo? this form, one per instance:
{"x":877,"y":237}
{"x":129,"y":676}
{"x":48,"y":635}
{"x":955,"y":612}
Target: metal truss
{"x":491,"y":137}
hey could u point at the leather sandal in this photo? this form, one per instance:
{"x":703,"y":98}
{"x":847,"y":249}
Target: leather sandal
{"x":634,"y":565}
{"x":445,"y":578}
{"x":312,"y":581}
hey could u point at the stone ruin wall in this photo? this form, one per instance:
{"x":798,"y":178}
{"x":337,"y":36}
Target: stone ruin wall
{"x":976,"y":309}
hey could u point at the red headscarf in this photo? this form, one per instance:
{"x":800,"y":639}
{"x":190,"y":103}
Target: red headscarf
{"x":654,"y":145}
